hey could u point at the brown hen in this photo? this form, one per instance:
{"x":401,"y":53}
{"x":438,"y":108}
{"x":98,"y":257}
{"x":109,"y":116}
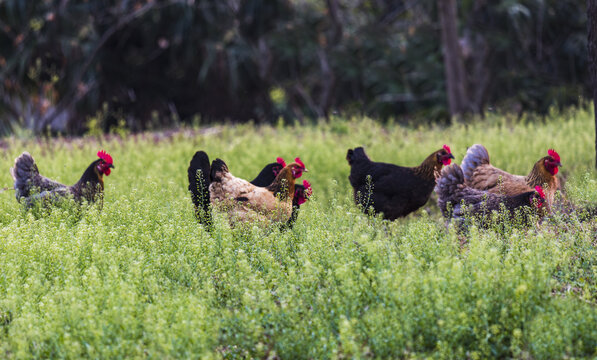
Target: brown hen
{"x":456,"y":199}
{"x":244,"y":201}
{"x":480,"y":174}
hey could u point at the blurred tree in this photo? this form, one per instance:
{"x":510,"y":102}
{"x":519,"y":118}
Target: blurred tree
{"x":456,"y":81}
{"x":528,"y":47}
{"x":148,"y":63}
{"x":50,"y":52}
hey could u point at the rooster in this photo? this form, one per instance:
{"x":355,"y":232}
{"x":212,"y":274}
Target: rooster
{"x":480,"y":174}
{"x":215,"y":185}
{"x":301,"y":192}
{"x":31,"y":186}
{"x":394,"y":190}
{"x":457,"y":199}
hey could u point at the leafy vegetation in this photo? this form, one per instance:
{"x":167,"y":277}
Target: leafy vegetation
{"x":154,"y":63}
{"x":141,"y":279}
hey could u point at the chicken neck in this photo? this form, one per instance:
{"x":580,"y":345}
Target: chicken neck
{"x":539,"y":175}
{"x":283,"y":184}
{"x":429,"y":168}
{"x":87,"y":186}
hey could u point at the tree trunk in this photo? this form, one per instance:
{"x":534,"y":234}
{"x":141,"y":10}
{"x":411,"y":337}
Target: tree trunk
{"x":454,"y":66}
{"x":592,"y":50}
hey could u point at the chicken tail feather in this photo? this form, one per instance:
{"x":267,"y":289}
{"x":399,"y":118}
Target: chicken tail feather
{"x":476,"y":156}
{"x":199,"y":180}
{"x":23,"y":172}
{"x":448,"y":186}
{"x":448,"y":182}
{"x":218,"y":168}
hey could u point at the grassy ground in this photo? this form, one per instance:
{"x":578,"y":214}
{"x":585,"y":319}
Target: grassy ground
{"x":141,"y":279}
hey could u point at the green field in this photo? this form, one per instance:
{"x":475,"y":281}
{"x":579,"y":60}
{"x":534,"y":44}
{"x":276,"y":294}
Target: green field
{"x":141,"y":279}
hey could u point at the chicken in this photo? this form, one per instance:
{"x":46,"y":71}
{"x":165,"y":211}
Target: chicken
{"x":456,"y":199}
{"x":199,"y":186}
{"x":269,"y":173}
{"x":301,"y":192}
{"x":393,"y":190}
{"x":30,"y":186}
{"x":241,"y":199}
{"x":480,"y":174}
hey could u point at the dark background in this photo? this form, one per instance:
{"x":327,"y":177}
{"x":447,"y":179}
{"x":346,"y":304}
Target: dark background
{"x":68,"y":66}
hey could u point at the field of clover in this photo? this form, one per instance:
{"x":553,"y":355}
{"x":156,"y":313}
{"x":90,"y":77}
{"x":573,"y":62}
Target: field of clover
{"x":140,"y":278}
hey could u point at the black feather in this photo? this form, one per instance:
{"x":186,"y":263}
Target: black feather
{"x":394,"y":190}
{"x":218,"y":166}
{"x":199,"y":175}
{"x":267,"y":175}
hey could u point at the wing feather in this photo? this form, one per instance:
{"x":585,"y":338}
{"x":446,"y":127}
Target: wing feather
{"x":494,"y":180}
{"x":240,"y":198}
{"x":480,"y":174}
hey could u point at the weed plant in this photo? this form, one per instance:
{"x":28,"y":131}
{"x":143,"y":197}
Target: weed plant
{"x":141,"y":278}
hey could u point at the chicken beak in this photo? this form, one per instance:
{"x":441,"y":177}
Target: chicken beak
{"x":305,"y":170}
{"x":452,"y":156}
{"x":559,"y":164}
{"x":111,"y":166}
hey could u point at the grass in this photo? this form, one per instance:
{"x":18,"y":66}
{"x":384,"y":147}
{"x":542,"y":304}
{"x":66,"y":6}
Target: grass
{"x":141,"y":279}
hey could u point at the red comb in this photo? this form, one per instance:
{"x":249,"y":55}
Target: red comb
{"x":298,"y":161}
{"x":553,"y":154}
{"x":281,"y":161}
{"x":308,"y":190}
{"x":539,"y":190}
{"x":306,"y":184}
{"x":105,"y":156}
{"x":447,"y":148}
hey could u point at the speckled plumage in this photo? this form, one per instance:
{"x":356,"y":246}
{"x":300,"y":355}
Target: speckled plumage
{"x":455,"y":198}
{"x":480,"y":174}
{"x":246,"y":202}
{"x":199,"y":174}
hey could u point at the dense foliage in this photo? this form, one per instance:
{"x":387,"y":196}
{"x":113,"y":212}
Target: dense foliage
{"x":144,"y":64}
{"x":142,"y":279}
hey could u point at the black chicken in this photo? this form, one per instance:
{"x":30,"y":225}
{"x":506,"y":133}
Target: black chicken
{"x":394,"y":190}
